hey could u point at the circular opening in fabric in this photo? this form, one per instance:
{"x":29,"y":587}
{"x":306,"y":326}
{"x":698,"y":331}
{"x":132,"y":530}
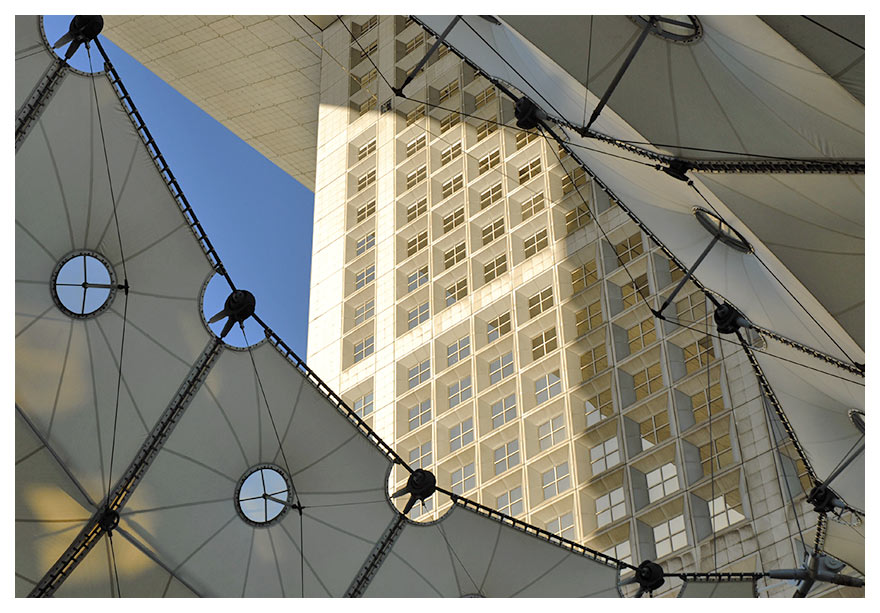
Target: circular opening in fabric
{"x":682,"y":29}
{"x":54,"y":28}
{"x":858,"y":419}
{"x":83,"y":284}
{"x":263,"y":495}
{"x":718,"y":227}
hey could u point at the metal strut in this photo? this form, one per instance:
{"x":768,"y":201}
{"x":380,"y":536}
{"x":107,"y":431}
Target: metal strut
{"x":686,"y":277}
{"x":33,"y":108}
{"x":376,"y":557}
{"x":105,"y":519}
{"x":398,"y":91}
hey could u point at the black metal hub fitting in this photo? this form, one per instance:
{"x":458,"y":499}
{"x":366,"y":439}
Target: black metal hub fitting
{"x":109,"y":520}
{"x":421,"y":484}
{"x":677,"y":170}
{"x":240,"y":304}
{"x":727,"y":318}
{"x":822,"y":498}
{"x":649,"y":576}
{"x":527,"y":113}
{"x":86,"y":27}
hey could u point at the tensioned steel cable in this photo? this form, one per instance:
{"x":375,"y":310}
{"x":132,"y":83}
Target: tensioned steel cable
{"x":587,"y":79}
{"x":712,"y":449}
{"x":838,"y":34}
{"x":124,"y":271}
{"x":452,"y":551}
{"x":115,"y":568}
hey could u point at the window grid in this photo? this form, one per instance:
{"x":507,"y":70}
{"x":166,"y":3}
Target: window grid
{"x":449,"y":122}
{"x":604,"y":455}
{"x":691,"y":308}
{"x":702,"y":408}
{"x":365,"y":150}
{"x":547,"y":387}
{"x":416,"y":176}
{"x":495,"y":267}
{"x":419,"y":374}
{"x":416,"y":243}
{"x":366,"y":179}
{"x":420,"y":457}
{"x":459,"y":391}
{"x":366,"y":106}
{"x":371,"y":23}
{"x":415,"y":114}
{"x":529,"y":171}
{"x":670,"y":536}
{"x":485,"y":129}
{"x":488,"y":162}
{"x":491,"y":196}
{"x":464,"y":479}
{"x":456,"y":291}
{"x":588,"y":318}
{"x":365,"y":276}
{"x":726,"y":510}
{"x":648,"y":381}
{"x":630,"y":248}
{"x":450,"y":153}
{"x":420,"y":414}
{"x":452,"y":185}
{"x":535,"y":243}
{"x":555,"y":481}
{"x":448,"y":91}
{"x":510,"y":502}
{"x":453,"y":220}
{"x":364,"y":311}
{"x":544,"y":343}
{"x":524,"y":137}
{"x":506,"y":456}
{"x":621,"y":551}
{"x":584,"y":276}
{"x":630,"y":293}
{"x":562,"y":525}
{"x":654,"y":430}
{"x":416,"y":210}
{"x":572,"y":180}
{"x":675,"y":272}
{"x":363,"y":349}
{"x":363,"y":406}
{"x":662,"y":481}
{"x":454,"y":255}
{"x":551,"y":432}
{"x":366,"y":242}
{"x":698,"y":354}
{"x":503,"y":411}
{"x":594,"y":361}
{"x":458,"y":350}
{"x":610,"y":507}
{"x":461,"y":434}
{"x":500,"y":368}
{"x":540,"y":302}
{"x":418,"y":315}
{"x":718,"y":452}
{"x":499,"y":326}
{"x":493,"y":231}
{"x":641,"y":335}
{"x":599,"y":407}
{"x":484,"y":97}
{"x":416,"y":145}
{"x":365,"y":211}
{"x":414,"y":43}
{"x":365,"y":82}
{"x":417,"y":279}
{"x":532,"y":205}
{"x":577,"y":218}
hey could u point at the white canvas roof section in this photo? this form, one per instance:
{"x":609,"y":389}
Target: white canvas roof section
{"x":662,"y":203}
{"x":718,"y":589}
{"x":468,"y":554}
{"x":30,"y":56}
{"x":844,"y":542}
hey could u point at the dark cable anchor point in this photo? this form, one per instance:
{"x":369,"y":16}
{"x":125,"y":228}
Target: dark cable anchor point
{"x":420,"y":485}
{"x":240,"y":305}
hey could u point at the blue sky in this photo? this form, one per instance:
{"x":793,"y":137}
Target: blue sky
{"x":257,"y":216}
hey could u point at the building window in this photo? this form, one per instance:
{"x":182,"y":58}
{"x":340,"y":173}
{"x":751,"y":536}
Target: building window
{"x":594,"y":361}
{"x":604,"y":455}
{"x":506,"y":456}
{"x":716,"y":454}
{"x":547,"y":387}
{"x":540,"y":302}
{"x":662,"y":481}
{"x":365,"y":150}
{"x":691,"y":308}
{"x":367,"y":242}
{"x":598,"y":407}
{"x":419,"y":374}
{"x":415,"y":114}
{"x":584,"y":276}
{"x":370,"y":49}
{"x":629,"y":292}
{"x":563,"y":152}
{"x":448,"y":91}
{"x":493,"y":231}
{"x":416,"y":176}
{"x":418,"y":510}
{"x":363,"y":349}
{"x":450,"y":153}
{"x":589,"y":318}
{"x":562,"y":525}
{"x":454,"y":256}
{"x":414,"y":43}
{"x":365,"y":211}
{"x":484,"y":97}
{"x":491,"y":196}
{"x":524,"y":137}
{"x":675,"y":272}
{"x":416,"y":243}
{"x":670,"y":536}
{"x":461,"y":434}
{"x":629,"y":249}
{"x":417,"y":279}
{"x":464,"y":479}
{"x":453,"y":220}
{"x":532,"y":205}
{"x":365,"y":82}
{"x":371,"y":23}
{"x":529,"y":171}
{"x":420,"y":414}
{"x":698,"y":354}
{"x":366,"y":107}
{"x":459,"y":391}
{"x":366,"y":179}
{"x":535,"y":243}
{"x":641,"y":335}
{"x":555,"y":481}
{"x":726,"y":510}
{"x":610,"y":507}
{"x":573,"y":180}
{"x":577,"y":218}
{"x":442,"y":51}
{"x":648,"y":381}
{"x":495,"y":267}
{"x":458,"y":350}
{"x":364,"y":311}
{"x":510,"y":502}
{"x":503,"y":411}
{"x":449,"y":122}
{"x":364,"y":277}
{"x":489,"y":162}
{"x":416,"y":145}
{"x":703,"y":407}
{"x":452,"y":185}
{"x":654,"y":430}
{"x":417,"y":316}
{"x":363,"y":406}
{"x":485,"y":129}
{"x":499,"y":326}
{"x":500,"y":368}
{"x":544,"y":343}
{"x":621,"y":551}
{"x":416,"y":210}
{"x":551,"y":432}
{"x":456,"y":291}
{"x":420,"y":457}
